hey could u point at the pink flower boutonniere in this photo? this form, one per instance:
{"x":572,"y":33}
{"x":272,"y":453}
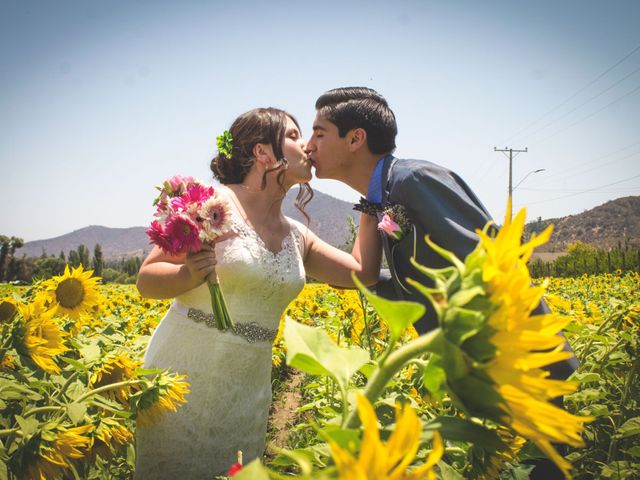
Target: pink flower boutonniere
{"x":395,"y":222}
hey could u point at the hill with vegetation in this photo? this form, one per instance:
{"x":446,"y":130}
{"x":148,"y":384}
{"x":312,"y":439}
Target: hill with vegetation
{"x":615,"y":224}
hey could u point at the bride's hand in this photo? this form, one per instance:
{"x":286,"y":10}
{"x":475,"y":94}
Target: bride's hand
{"x":202,"y":264}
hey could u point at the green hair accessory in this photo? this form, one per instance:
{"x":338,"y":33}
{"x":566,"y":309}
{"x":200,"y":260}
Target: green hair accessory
{"x":225,"y":144}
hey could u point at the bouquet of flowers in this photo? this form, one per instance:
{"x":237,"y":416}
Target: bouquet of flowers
{"x":189,"y":215}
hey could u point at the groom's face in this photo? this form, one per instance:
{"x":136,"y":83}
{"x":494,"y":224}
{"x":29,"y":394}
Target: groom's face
{"x":327,"y":151}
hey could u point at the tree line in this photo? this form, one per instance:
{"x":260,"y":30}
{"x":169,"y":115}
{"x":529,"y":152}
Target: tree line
{"x":27,"y":269}
{"x":580,"y":259}
{"x":584,"y":259}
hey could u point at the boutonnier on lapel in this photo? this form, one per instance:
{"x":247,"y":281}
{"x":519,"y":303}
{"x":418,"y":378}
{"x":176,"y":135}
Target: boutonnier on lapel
{"x":395,"y":222}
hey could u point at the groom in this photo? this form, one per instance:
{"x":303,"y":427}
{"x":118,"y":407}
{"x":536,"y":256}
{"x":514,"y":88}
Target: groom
{"x":353,"y":140}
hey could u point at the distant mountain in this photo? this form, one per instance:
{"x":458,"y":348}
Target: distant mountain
{"x":614,"y":223}
{"x":115,"y":242}
{"x":328,"y":220}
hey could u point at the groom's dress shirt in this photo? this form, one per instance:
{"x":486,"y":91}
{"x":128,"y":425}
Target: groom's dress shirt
{"x":374,"y":193}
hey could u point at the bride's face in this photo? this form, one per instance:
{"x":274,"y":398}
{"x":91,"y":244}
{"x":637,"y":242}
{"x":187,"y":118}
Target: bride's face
{"x":294,"y":150}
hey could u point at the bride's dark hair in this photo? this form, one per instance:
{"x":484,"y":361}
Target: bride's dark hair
{"x":260,"y":125}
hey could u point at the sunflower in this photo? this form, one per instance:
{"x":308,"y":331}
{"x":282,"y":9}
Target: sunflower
{"x":166,"y":393}
{"x":8,"y":309}
{"x":115,"y":368}
{"x":8,"y":363}
{"x":488,"y":465}
{"x":59,"y":447}
{"x":632,"y":318}
{"x":74,"y":292}
{"x":494,"y":349}
{"x":43,"y":338}
{"x":526,"y":343}
{"x":109,"y":435}
{"x":390,"y":460}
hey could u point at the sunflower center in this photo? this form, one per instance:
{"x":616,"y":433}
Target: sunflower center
{"x":7,"y":311}
{"x":70,"y":292}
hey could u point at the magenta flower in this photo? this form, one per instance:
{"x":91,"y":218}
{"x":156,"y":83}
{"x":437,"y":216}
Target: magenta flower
{"x":191,"y":200}
{"x":183,"y":234}
{"x":177,"y":184}
{"x":391,"y":228}
{"x":158,"y":236}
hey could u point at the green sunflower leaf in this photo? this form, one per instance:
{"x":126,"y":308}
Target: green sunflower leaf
{"x":311,"y":350}
{"x":398,"y":315}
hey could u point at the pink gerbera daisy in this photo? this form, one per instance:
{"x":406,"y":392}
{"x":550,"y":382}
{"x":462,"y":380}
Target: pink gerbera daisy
{"x":182,"y":234}
{"x":177,"y":184}
{"x":195,"y":195}
{"x":158,"y":236}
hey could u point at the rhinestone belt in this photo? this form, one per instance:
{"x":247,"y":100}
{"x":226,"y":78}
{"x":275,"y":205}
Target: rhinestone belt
{"x":252,"y":332}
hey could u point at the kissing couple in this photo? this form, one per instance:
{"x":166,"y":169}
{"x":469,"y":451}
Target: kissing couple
{"x":263,"y":262}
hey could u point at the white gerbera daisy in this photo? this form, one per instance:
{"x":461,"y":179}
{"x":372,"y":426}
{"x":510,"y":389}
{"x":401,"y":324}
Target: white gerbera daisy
{"x":215,"y":218}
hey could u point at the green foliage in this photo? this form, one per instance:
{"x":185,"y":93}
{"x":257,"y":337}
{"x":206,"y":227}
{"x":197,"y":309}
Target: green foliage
{"x":36,"y":405}
{"x":98,"y":260}
{"x":605,"y":338}
{"x":583,"y":259}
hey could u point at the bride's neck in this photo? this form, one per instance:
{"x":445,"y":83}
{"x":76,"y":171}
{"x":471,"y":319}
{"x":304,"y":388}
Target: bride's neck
{"x":259,"y":203}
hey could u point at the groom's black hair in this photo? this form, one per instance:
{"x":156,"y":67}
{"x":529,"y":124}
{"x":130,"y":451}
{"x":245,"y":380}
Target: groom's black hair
{"x":361,"y":107}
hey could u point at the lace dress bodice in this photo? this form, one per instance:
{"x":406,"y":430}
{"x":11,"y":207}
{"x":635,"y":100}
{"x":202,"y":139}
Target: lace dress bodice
{"x":257,"y":283}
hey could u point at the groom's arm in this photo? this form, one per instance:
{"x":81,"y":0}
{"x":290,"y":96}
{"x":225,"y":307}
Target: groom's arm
{"x":331,"y":265}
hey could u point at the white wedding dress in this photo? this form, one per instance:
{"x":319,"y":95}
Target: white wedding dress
{"x":229,"y":374}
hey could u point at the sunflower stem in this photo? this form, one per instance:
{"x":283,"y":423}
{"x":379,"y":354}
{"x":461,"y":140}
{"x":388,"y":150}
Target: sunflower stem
{"x":10,"y":431}
{"x":106,"y":388}
{"x":345,"y":404}
{"x":365,"y":319}
{"x":587,"y":347}
{"x":67,"y":384}
{"x":613,"y":446}
{"x":429,"y":342}
{"x":33,"y":411}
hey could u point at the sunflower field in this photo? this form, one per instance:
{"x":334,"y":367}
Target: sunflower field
{"x":357,"y":393}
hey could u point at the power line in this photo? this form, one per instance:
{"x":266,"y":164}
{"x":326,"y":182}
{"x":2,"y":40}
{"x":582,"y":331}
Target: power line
{"x":577,"y":191}
{"x":581,"y":172}
{"x":583,"y":103}
{"x":599,"y":158}
{"x":573,"y":95}
{"x":589,"y":116}
{"x":584,"y":191}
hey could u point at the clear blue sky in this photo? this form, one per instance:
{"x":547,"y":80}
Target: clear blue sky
{"x":99,"y":101}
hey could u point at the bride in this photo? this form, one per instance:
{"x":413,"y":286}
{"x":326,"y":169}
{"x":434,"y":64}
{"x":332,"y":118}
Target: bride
{"x":261,"y":268}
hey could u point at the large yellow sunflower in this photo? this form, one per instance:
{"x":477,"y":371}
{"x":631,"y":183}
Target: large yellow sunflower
{"x":391,"y":460}
{"x":43,"y":338}
{"x":526,"y":343}
{"x":74,"y":292}
{"x":495,"y":350}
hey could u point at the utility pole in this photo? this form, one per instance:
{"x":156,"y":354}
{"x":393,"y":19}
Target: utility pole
{"x":511,"y":157}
